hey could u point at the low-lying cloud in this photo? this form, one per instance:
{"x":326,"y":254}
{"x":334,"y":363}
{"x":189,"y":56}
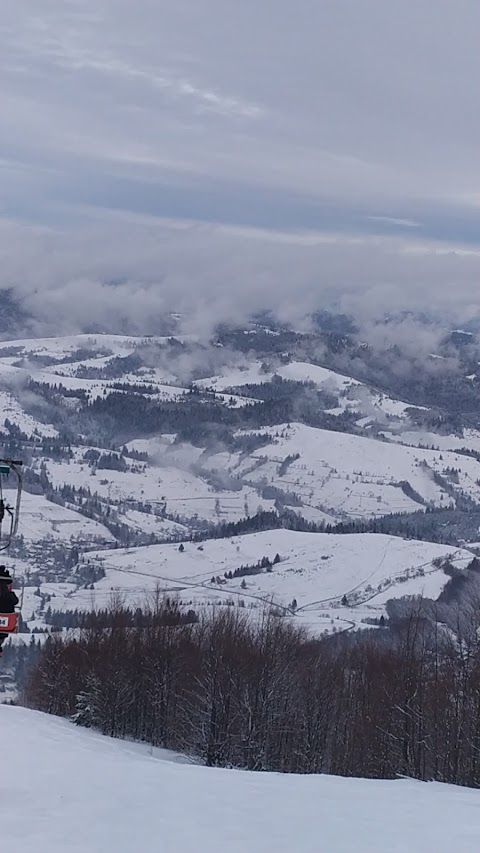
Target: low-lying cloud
{"x":127,"y":275}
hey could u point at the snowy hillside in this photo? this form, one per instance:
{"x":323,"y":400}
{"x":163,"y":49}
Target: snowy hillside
{"x":170,"y":482}
{"x":353,"y":475}
{"x":79,"y":362}
{"x":69,"y":789}
{"x":469,"y":439}
{"x":41,"y":518}
{"x":132,"y":441}
{"x":315,"y":569}
{"x":332,"y":474}
{"x":370,"y":404}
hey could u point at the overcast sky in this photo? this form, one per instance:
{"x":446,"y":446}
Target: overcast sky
{"x":336,"y":133}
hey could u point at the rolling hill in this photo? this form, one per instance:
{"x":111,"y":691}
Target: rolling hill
{"x":183,"y":450}
{"x":316,"y":570}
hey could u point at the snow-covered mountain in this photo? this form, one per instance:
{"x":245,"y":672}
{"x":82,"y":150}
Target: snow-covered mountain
{"x":69,"y":789}
{"x":138,"y":444}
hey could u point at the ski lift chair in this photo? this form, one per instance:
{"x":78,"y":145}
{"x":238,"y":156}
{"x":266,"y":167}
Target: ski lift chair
{"x":9,"y":621}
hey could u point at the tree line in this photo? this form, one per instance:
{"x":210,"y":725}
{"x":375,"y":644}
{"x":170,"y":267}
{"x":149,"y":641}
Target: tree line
{"x":266,"y":696}
{"x":171,"y":615}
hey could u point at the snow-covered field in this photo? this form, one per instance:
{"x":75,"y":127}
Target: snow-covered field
{"x":41,"y":518}
{"x":336,"y":475}
{"x":170,"y":482}
{"x":352,"y":474}
{"x":315,"y":569}
{"x":70,"y":790}
{"x":470,"y":439}
{"x":17,"y":369}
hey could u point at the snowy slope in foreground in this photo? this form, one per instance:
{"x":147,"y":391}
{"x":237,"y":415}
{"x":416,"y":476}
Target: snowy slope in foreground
{"x":69,"y":789}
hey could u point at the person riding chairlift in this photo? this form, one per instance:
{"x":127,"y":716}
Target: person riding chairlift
{"x":8,"y":599}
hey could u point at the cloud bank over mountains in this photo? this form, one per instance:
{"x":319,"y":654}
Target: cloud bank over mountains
{"x":126,"y":275}
{"x":223,"y":157}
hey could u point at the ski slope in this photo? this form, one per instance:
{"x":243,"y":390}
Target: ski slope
{"x":70,"y":790}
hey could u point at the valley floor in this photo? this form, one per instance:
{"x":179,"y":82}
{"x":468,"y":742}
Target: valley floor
{"x":69,"y":790}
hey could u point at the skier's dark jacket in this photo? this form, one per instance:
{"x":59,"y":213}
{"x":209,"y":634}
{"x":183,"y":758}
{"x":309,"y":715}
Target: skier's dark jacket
{"x":8,"y":598}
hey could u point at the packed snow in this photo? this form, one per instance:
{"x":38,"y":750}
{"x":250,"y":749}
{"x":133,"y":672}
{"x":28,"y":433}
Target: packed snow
{"x":70,"y":789}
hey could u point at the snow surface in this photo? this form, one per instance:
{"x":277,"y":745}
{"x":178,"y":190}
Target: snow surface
{"x":336,"y":475}
{"x":64,"y":345}
{"x":470,"y":439}
{"x":11,"y":410}
{"x":297,"y":371}
{"x":65,"y":374}
{"x":40,"y":518}
{"x":317,"y":569}
{"x":353,"y":474}
{"x":187,"y":495}
{"x":70,"y":790}
{"x":353,"y":395}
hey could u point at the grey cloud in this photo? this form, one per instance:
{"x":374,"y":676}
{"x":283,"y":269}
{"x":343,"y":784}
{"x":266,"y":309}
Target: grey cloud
{"x":369,"y":102}
{"x":216,"y":273}
{"x":308,"y":138}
